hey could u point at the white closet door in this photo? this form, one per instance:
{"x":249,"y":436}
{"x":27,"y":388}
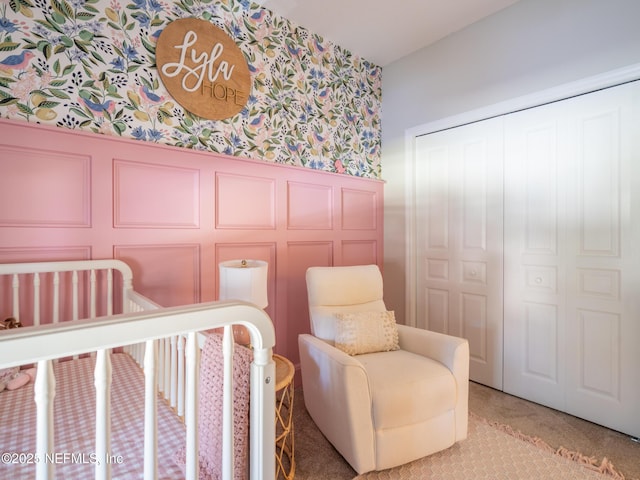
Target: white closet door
{"x":458,"y":188}
{"x":572,"y":282}
{"x":535,"y":310}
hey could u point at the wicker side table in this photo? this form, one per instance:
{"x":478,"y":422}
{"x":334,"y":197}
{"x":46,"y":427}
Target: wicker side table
{"x":285,"y":458}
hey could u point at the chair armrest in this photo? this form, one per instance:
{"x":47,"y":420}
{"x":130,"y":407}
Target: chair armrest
{"x":446,"y":349}
{"x":337,"y":396}
{"x":451,"y":351}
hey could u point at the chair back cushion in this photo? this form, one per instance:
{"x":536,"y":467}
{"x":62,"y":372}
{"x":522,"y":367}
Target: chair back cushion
{"x":341,"y":286}
{"x":348,"y":289}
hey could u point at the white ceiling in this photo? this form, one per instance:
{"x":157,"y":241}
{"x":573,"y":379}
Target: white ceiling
{"x":382,"y":31}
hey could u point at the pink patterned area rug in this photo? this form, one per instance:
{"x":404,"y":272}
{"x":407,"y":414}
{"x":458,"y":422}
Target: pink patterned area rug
{"x":497,"y":452}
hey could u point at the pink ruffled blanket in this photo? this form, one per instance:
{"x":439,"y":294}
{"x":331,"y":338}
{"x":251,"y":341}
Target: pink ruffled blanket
{"x":210,"y":408}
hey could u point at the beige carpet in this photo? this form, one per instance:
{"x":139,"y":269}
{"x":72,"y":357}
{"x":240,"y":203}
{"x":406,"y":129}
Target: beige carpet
{"x":487,"y":446}
{"x":496,"y":452}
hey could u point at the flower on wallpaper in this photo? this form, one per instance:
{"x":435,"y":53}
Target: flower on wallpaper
{"x":90,"y":64}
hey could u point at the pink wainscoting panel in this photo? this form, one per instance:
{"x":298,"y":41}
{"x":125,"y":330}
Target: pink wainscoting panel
{"x":359,"y":252}
{"x":310,"y":206}
{"x":359,"y":209}
{"x":245,"y":201}
{"x":173,"y":202}
{"x":173,"y":214}
{"x":167,"y":274}
{"x":29,"y":188}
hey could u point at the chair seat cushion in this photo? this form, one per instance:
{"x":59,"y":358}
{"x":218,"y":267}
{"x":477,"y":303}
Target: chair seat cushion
{"x":407,"y":388}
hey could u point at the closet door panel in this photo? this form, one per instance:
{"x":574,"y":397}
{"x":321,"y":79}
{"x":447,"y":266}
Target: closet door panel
{"x":535,"y":212}
{"x":603,"y":319}
{"x":571,"y":264}
{"x":459,"y":241}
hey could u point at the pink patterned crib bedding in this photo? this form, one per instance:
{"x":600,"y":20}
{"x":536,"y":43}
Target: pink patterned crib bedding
{"x":74,"y":414}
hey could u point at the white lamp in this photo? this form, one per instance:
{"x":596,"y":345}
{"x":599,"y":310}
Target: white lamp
{"x":244,"y":280}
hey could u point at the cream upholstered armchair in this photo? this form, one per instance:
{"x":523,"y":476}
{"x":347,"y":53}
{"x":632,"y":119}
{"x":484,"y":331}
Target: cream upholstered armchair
{"x":406,"y":399}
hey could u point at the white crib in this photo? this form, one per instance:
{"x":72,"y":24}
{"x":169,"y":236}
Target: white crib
{"x":165,"y":342}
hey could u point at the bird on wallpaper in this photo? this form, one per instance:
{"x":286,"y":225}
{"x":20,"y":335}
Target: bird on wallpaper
{"x":318,"y":45}
{"x":17,"y":62}
{"x":257,"y":122}
{"x":155,"y":35}
{"x":149,"y":96}
{"x":293,"y":148}
{"x":98,"y":108}
{"x":292,"y":50}
{"x":259,"y":15}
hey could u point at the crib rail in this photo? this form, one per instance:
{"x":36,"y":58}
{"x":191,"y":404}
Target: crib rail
{"x":51,"y":292}
{"x":42,"y":344}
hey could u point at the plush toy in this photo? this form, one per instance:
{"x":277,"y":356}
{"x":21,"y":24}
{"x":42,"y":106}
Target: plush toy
{"x":13,"y":378}
{"x":16,"y":378}
{"x":10,"y":322}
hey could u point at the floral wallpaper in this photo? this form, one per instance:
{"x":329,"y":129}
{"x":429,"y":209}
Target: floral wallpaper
{"x":90,"y":65}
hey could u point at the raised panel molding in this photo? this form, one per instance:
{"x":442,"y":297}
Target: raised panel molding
{"x":437,"y":309}
{"x":40,"y":188}
{"x":599,"y":283}
{"x":473,"y":317}
{"x":359,"y":209}
{"x":541,"y":341}
{"x":437,"y":269}
{"x":437,"y":198}
{"x":600,"y":352}
{"x":310,"y":253}
{"x":474,"y":195}
{"x":600,"y":187}
{"x":155,"y":196}
{"x":309,"y":206}
{"x":359,"y":252}
{"x":245,"y":202}
{"x":541,"y":189}
{"x":169,"y":274}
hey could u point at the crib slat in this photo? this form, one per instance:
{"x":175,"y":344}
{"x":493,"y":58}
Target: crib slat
{"x":173,"y":385}
{"x":150,"y":412}
{"x":56,"y":298}
{"x":74,"y":282}
{"x":161,"y":365}
{"x":15,"y":288}
{"x":92,"y":294}
{"x":166,"y":368}
{"x":227,"y":404}
{"x":110,"y":292}
{"x":191,"y":413}
{"x":181,"y":380}
{"x":36,"y":299}
{"x":44,"y":393}
{"x":102,"y":381}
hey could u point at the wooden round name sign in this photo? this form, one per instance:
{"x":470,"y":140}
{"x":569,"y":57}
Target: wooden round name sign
{"x":203,"y":69}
